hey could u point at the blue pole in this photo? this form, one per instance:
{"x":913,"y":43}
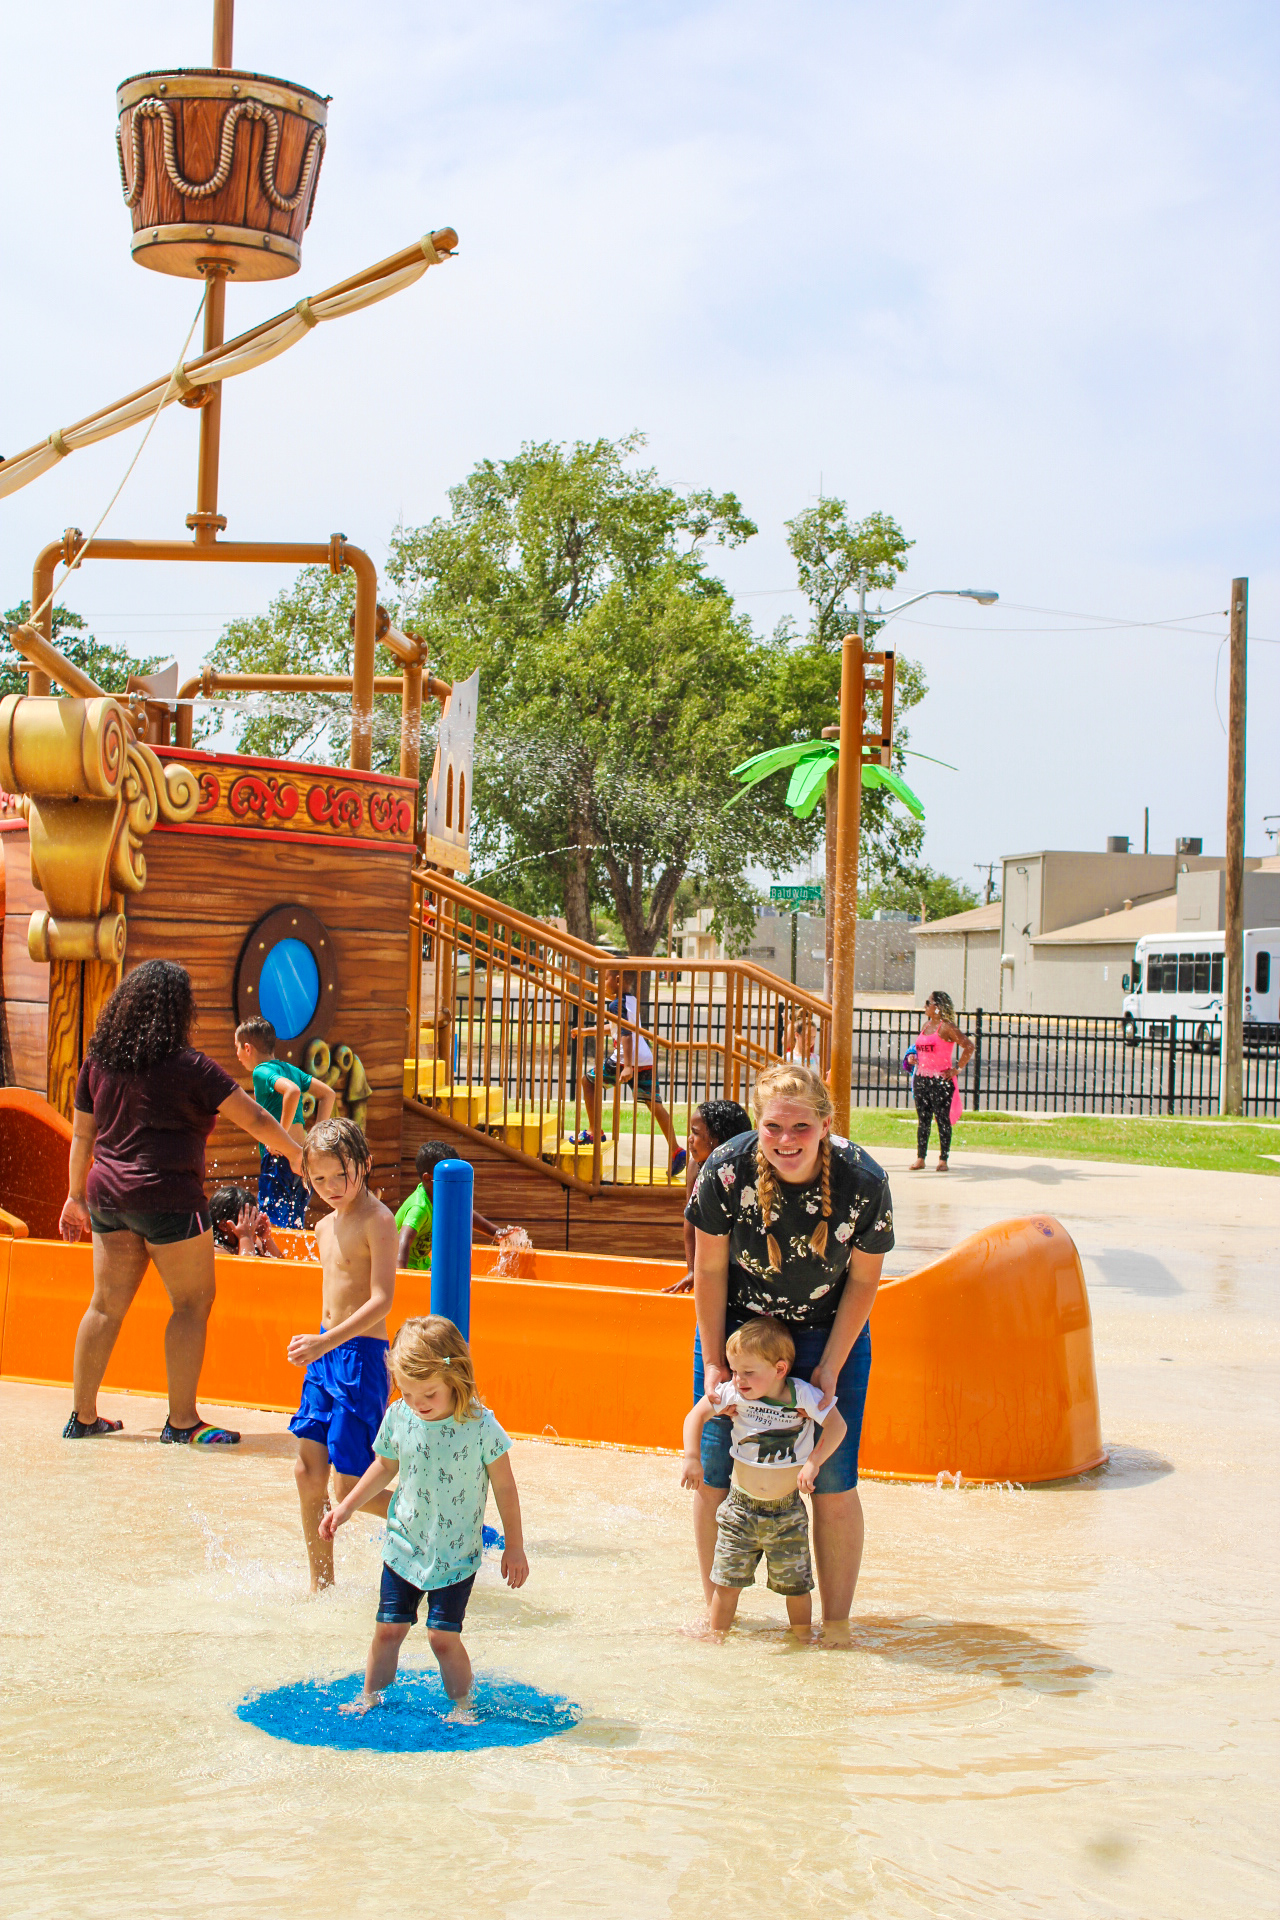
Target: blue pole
{"x":451,"y":1202}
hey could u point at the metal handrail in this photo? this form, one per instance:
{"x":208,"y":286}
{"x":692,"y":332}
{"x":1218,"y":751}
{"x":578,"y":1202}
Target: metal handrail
{"x":510,"y":1005}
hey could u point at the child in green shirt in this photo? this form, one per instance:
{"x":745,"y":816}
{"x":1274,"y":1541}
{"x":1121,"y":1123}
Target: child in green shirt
{"x":278,"y":1087}
{"x":415,"y":1216}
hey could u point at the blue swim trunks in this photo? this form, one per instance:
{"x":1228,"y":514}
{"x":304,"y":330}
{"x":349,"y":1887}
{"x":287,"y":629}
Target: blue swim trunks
{"x":344,"y":1396}
{"x":282,"y":1194}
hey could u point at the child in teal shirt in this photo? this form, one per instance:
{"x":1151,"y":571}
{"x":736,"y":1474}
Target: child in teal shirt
{"x":278,"y":1087}
{"x":448,"y":1451}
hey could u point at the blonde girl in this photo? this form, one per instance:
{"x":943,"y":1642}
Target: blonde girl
{"x":448,"y":1450}
{"x":793,"y":1221}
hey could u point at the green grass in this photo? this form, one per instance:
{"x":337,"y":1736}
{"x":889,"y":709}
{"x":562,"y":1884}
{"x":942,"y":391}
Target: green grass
{"x":1226,"y":1146}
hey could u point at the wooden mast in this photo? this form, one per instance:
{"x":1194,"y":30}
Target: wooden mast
{"x":206,"y":521}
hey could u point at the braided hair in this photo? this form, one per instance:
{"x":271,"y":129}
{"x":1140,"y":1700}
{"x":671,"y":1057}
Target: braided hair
{"x":792,"y":1083}
{"x":147,"y":1020}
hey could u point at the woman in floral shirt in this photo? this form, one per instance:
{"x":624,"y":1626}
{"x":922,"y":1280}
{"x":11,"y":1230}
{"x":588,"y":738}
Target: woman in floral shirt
{"x":793,"y":1221}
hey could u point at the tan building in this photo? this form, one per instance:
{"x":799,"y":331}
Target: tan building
{"x":960,"y":956}
{"x":1061,"y":941}
{"x":1085,"y":969}
{"x":1052,"y":892}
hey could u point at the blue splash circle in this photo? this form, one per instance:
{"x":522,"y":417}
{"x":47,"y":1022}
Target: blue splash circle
{"x":413,"y":1717}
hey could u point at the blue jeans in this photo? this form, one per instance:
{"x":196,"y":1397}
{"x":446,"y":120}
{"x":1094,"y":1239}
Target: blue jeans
{"x":837,"y":1474}
{"x":399,"y":1600}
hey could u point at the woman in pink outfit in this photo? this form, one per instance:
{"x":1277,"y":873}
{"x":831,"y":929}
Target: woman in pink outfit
{"x":937,"y":1069}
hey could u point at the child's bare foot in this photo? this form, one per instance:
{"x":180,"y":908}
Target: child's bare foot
{"x":915,"y":1166}
{"x":362,"y":1704}
{"x":943,"y":1167}
{"x":463,"y":1713}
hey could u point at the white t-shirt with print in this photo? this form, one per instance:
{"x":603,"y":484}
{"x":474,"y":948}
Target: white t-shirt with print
{"x":435,"y":1525}
{"x":768,"y":1435}
{"x":643,"y":1051}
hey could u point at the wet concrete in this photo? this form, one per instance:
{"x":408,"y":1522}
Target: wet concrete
{"x":1057,"y":1702}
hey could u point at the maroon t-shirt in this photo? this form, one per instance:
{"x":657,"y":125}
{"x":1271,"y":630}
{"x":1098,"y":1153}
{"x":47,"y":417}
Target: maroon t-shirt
{"x":148,"y":1156}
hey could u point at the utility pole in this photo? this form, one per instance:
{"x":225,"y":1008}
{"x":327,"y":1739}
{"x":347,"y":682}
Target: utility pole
{"x":1232,"y":1083}
{"x":1146,"y":829}
{"x":988,"y":867}
{"x":844,"y":907}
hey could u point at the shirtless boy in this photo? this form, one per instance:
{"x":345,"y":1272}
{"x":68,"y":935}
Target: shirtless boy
{"x":344,"y":1392}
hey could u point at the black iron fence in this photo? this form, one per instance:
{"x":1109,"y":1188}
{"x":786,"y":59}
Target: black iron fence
{"x":1049,"y":1063}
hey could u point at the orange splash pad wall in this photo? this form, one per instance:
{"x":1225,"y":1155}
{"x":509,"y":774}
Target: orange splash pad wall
{"x":983,"y":1360}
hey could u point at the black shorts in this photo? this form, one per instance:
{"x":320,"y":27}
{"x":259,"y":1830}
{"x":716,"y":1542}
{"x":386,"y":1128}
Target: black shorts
{"x":157,"y":1229}
{"x":399,"y":1600}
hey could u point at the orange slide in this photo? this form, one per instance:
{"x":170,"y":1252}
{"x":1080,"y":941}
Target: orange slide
{"x":983,"y":1359}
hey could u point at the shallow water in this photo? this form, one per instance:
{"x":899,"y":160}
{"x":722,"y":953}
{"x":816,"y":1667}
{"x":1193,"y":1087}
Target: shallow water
{"x":1056,"y":1703}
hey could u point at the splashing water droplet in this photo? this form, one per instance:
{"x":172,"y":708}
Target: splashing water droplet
{"x":512,"y":1242}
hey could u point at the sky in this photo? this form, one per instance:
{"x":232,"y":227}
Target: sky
{"x":1008,"y":273}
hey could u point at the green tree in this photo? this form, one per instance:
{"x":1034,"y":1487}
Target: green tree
{"x":306,"y":629}
{"x":618,"y":687}
{"x":831,"y":557}
{"x":832,"y":554}
{"x":109,"y":666}
{"x":917,"y":890}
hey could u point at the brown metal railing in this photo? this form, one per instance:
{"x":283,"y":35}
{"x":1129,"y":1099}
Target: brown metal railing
{"x":508,"y":1018}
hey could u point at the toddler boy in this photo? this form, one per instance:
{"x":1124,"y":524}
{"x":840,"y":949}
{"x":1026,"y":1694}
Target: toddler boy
{"x":774,"y":1459}
{"x":278,"y":1087}
{"x":344,"y":1392}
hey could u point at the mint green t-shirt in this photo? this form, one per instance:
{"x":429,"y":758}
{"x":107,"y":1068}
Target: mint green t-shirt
{"x":265,"y":1075}
{"x":415,"y":1212}
{"x":435,"y":1525}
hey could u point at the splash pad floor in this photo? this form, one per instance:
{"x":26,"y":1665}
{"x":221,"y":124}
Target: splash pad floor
{"x":1058,"y":1702}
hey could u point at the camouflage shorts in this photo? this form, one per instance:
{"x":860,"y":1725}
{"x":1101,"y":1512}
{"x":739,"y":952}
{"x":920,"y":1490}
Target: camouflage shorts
{"x":778,"y":1529}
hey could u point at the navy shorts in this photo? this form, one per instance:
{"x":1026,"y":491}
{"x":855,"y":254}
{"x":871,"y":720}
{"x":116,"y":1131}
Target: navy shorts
{"x":344,"y":1396}
{"x":282,"y":1193}
{"x":838,"y":1473}
{"x":399,"y":1600}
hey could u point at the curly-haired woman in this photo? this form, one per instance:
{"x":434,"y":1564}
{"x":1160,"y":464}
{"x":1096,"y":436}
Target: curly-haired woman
{"x":792,"y":1221}
{"x":145,"y":1105}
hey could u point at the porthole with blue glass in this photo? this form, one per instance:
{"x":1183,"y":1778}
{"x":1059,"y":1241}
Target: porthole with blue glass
{"x":288,"y":974}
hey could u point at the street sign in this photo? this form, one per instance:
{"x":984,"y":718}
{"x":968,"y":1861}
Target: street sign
{"x":795,"y":896}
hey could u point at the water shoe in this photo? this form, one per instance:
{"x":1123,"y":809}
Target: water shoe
{"x":77,"y":1429}
{"x":678,"y":1161}
{"x":203,"y":1434}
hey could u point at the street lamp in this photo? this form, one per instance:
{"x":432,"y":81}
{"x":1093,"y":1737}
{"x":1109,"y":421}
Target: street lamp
{"x":848,"y":825}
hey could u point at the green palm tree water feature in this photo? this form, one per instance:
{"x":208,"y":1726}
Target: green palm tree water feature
{"x":811,"y":761}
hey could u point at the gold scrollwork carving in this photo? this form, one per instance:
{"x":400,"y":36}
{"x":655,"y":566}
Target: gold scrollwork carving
{"x":93,"y":794}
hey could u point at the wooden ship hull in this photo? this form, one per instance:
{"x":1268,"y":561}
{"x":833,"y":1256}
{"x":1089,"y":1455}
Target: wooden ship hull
{"x":267,"y":834}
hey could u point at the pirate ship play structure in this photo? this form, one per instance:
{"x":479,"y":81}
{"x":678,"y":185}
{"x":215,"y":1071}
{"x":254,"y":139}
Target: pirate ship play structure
{"x":331,"y":898}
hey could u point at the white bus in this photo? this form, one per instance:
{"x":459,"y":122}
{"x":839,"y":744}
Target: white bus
{"x":1181,"y":974}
